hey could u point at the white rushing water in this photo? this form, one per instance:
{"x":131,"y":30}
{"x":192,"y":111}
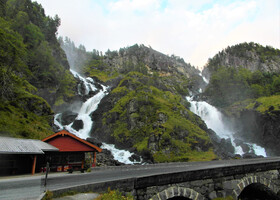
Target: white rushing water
{"x":87,"y":108}
{"x":56,"y":121}
{"x":204,"y":79}
{"x":84,"y":114}
{"x":119,"y":155}
{"x":88,"y":83}
{"x":214,"y":120}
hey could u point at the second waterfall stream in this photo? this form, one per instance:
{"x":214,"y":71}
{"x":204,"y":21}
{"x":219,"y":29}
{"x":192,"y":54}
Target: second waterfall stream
{"x":214,"y":120}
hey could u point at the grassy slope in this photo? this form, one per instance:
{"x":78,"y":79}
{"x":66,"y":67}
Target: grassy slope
{"x":178,"y":135}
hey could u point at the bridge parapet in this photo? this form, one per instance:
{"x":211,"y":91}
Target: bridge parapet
{"x":196,"y":181}
{"x":211,"y":188}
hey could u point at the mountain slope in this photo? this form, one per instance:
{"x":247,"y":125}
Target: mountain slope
{"x":245,"y":83}
{"x":251,"y":56}
{"x":146,"y":110}
{"x":241,"y":72}
{"x":34,"y":71}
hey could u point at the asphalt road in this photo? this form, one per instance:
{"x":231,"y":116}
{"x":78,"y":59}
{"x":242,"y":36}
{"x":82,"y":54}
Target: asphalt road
{"x":31,"y":187}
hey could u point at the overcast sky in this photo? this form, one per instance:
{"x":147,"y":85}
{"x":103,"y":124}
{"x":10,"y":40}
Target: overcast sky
{"x":192,"y":29}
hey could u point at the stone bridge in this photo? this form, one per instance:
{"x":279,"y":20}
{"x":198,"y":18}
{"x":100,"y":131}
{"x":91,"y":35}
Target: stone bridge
{"x":233,"y":178}
{"x":198,"y":180}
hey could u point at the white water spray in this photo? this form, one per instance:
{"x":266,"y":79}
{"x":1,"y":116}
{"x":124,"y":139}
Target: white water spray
{"x":56,"y":121}
{"x":87,"y":107}
{"x":120,"y":155}
{"x":204,"y":79}
{"x":84,"y":113}
{"x":88,"y":83}
{"x":214,"y":120}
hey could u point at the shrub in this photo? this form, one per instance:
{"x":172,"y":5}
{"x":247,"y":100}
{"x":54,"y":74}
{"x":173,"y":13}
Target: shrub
{"x":114,"y":195}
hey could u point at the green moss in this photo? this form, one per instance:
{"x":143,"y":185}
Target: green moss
{"x":114,"y":195}
{"x":190,"y":156}
{"x":17,"y":122}
{"x":48,"y":195}
{"x":101,"y":75}
{"x":120,"y":105}
{"x":266,"y":104}
{"x":59,"y":101}
{"x":142,"y":145}
{"x":178,"y":135}
{"x":121,"y":90}
{"x":121,"y":132}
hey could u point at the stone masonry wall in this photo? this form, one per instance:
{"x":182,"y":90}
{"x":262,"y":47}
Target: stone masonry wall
{"x":211,"y":188}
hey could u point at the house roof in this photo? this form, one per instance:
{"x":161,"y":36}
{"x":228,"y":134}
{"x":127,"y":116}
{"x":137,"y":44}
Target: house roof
{"x":66,"y":141}
{"x":9,"y":145}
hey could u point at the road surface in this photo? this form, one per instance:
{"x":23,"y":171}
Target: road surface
{"x":31,"y":187}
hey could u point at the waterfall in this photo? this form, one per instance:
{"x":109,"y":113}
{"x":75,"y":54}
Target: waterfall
{"x":204,"y":79}
{"x":85,"y":86}
{"x":88,"y":83}
{"x":87,"y":107}
{"x":84,"y":114}
{"x":214,"y":120}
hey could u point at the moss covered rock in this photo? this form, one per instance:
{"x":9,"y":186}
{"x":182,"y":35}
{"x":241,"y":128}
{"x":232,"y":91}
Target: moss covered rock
{"x":151,"y":121}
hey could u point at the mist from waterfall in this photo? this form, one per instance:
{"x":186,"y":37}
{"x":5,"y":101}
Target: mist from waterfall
{"x":86,"y":86}
{"x":214,"y":120}
{"x":87,"y":108}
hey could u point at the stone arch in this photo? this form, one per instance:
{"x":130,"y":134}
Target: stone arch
{"x":176,"y":191}
{"x":244,"y":182}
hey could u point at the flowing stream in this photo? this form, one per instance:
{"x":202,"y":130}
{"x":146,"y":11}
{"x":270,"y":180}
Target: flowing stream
{"x":86,"y":86}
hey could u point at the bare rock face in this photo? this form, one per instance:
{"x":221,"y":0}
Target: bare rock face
{"x":78,"y":124}
{"x":263,"y":129}
{"x":68,"y":117}
{"x":142,"y":58}
{"x":105,"y":158}
{"x":251,"y":56}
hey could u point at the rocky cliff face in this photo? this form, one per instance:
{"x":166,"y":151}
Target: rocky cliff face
{"x":244,"y":84}
{"x":145,"y":110}
{"x":172,"y":69}
{"x":258,"y":121}
{"x":153,"y":122}
{"x":251,"y":56}
{"x":264,"y":129}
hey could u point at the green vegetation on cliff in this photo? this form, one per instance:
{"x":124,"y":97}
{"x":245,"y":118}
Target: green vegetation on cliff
{"x":32,"y":66}
{"x":155,"y":121}
{"x":251,"y":55}
{"x":230,"y":85}
{"x":244,"y":71}
{"x":267,"y":105}
{"x":146,"y":109}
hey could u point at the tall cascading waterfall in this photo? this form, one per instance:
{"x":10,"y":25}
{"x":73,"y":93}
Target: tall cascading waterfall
{"x":214,"y":120}
{"x":88,"y":107}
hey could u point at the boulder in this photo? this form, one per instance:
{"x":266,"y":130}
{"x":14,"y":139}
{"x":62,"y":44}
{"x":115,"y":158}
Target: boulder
{"x":68,"y":117}
{"x":78,"y":124}
{"x":105,"y":158}
{"x":94,"y":141}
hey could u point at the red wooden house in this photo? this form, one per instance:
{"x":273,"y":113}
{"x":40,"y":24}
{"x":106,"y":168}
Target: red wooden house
{"x":71,"y":153}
